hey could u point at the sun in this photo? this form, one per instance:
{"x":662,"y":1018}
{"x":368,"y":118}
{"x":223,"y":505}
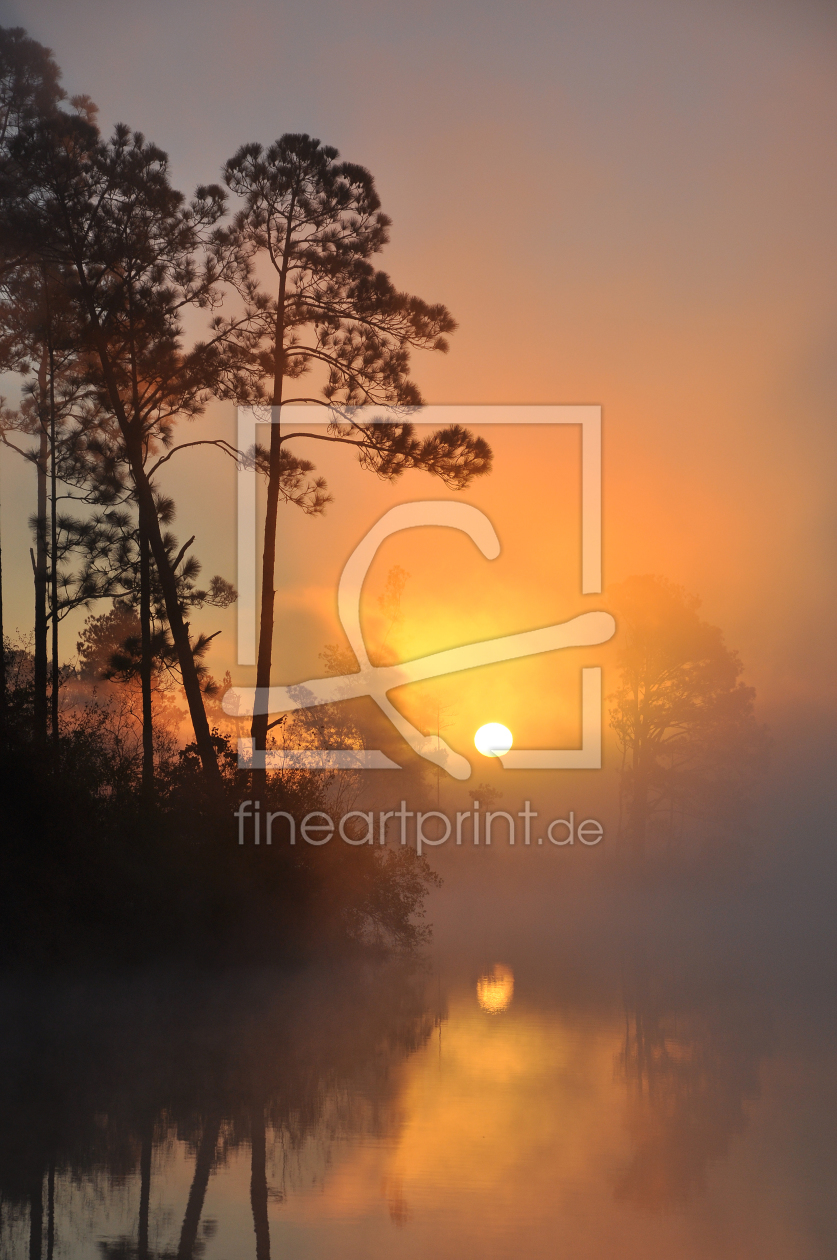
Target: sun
{"x":493,"y":739}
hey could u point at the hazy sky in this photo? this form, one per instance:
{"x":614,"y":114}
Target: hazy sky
{"x":624,"y":203}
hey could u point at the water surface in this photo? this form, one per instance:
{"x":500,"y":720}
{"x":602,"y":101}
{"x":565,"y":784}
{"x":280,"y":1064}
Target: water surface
{"x":589,"y":1085}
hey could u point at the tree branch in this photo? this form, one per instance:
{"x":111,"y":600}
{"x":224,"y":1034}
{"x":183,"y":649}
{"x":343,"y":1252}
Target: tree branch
{"x":222,"y":445}
{"x":181,"y":553}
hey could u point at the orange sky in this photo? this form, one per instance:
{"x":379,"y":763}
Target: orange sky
{"x":630,"y":204}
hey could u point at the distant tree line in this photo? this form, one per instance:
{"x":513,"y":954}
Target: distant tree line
{"x":692,"y":748}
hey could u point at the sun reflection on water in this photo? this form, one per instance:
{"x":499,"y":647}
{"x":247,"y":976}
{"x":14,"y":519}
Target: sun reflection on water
{"x":496,"y":989}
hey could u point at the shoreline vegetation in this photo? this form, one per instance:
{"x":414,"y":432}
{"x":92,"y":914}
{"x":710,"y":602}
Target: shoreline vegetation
{"x":95,"y":871}
{"x":111,"y":876}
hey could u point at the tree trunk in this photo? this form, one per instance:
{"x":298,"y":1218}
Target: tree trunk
{"x":260,"y":720}
{"x":2,"y":647}
{"x":258,"y":1183}
{"x":638,"y":809}
{"x":56,"y":747}
{"x":145,"y":661}
{"x":146,"y":504}
{"x":145,"y":1192}
{"x":197,"y":1192}
{"x":259,"y":726}
{"x":50,"y":1212}
{"x":36,"y":1219}
{"x":40,"y":697}
{"x":179,"y":628}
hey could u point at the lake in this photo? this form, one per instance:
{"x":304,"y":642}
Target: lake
{"x":585,"y":1076}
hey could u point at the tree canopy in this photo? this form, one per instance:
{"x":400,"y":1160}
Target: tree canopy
{"x":683,"y":718}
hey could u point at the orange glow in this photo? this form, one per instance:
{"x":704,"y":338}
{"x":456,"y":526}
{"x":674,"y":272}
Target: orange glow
{"x":495,"y":991}
{"x":513,"y":1137}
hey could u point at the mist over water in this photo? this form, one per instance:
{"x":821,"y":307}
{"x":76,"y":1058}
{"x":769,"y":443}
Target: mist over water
{"x":584,"y":1061}
{"x":596,"y":1054}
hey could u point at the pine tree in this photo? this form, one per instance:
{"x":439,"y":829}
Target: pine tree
{"x":317,"y":222}
{"x":106,"y":215}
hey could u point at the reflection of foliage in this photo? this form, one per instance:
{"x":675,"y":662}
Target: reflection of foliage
{"x":684,"y":721}
{"x":691,"y":1066}
{"x":220,"y":1064}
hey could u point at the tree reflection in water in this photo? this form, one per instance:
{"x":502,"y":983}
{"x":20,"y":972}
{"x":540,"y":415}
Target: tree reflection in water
{"x":692,"y":1052}
{"x":97,"y":1074}
{"x":121,"y":1100}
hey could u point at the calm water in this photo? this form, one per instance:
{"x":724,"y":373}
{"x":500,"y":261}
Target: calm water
{"x":596,"y":1083}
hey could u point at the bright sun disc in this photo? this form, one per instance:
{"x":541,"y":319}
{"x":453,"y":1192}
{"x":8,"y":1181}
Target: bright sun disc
{"x":493,"y":739}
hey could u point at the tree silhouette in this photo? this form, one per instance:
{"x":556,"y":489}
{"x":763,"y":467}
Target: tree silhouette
{"x":41,"y":343}
{"x":316,"y":222}
{"x":3,"y":673}
{"x":30,"y":88}
{"x":105,"y":214}
{"x":691,"y":746}
{"x":143,"y":648}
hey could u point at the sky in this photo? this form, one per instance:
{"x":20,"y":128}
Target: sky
{"x":622,"y":202}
